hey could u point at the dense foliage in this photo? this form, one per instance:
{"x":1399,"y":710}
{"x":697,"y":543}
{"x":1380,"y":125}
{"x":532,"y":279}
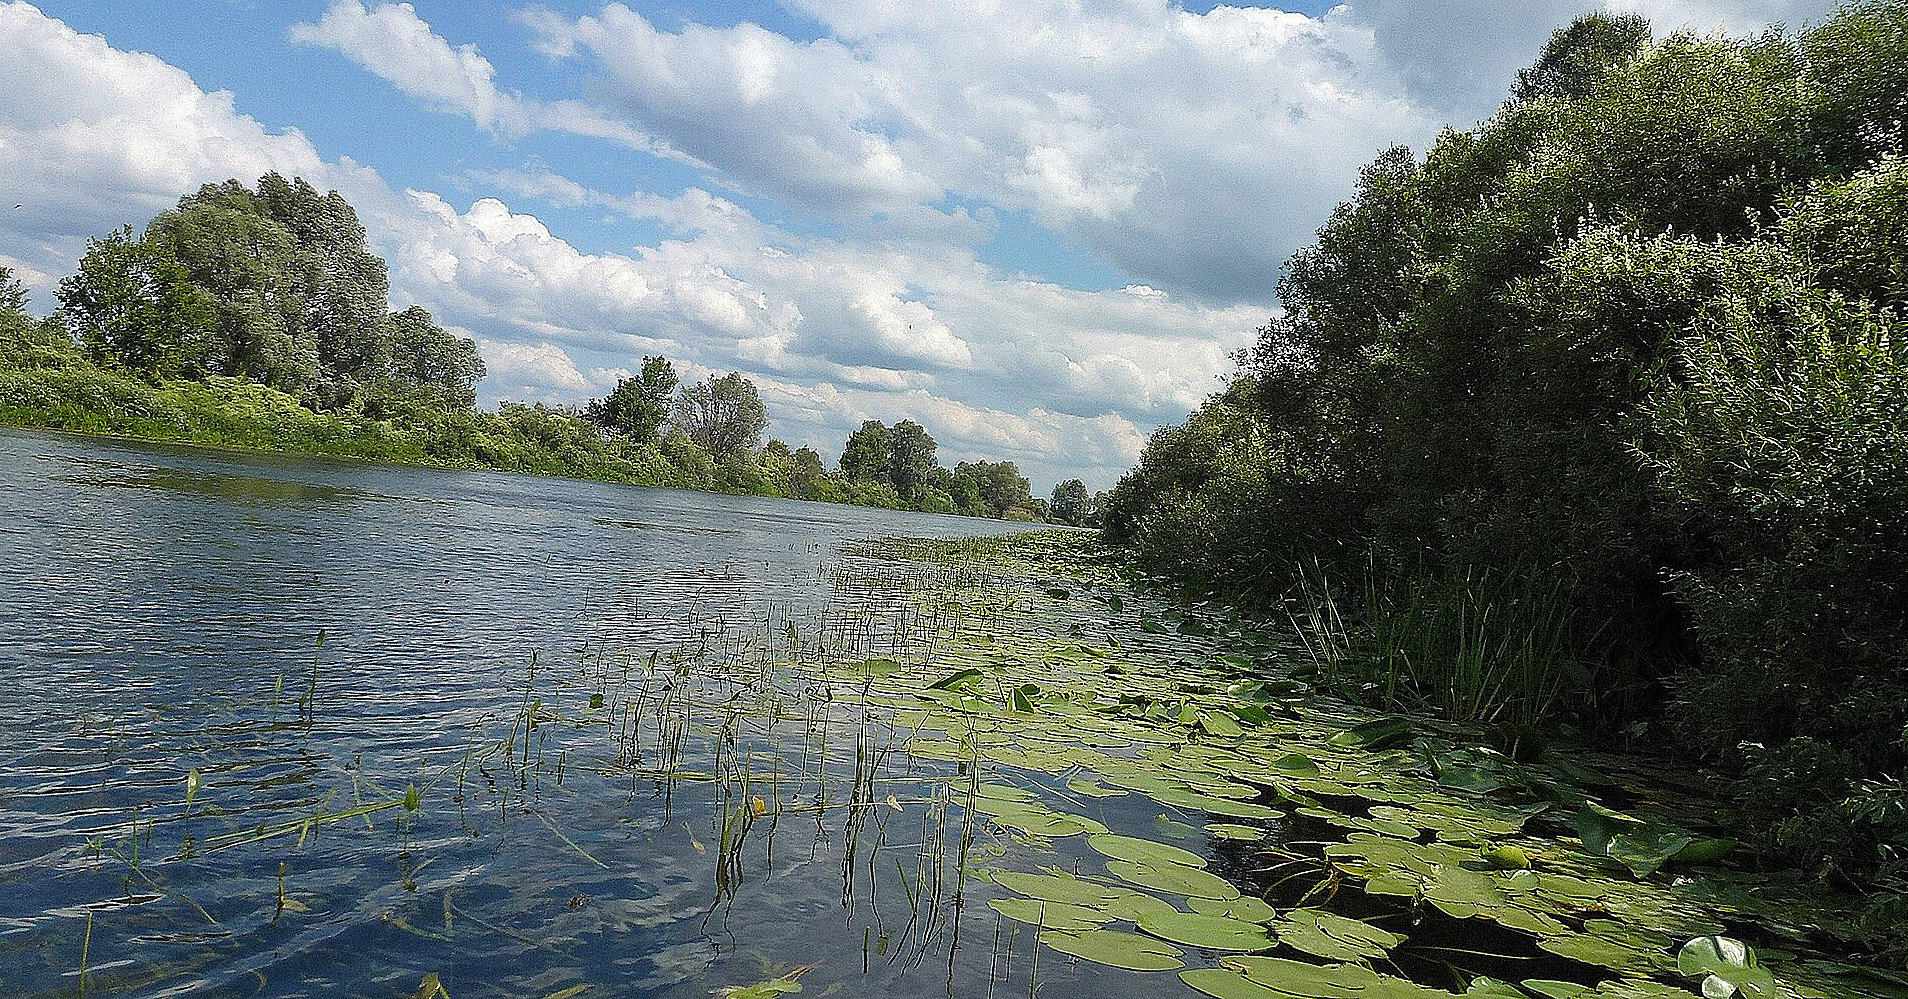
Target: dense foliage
{"x":259,"y":318}
{"x":1632,"y":346}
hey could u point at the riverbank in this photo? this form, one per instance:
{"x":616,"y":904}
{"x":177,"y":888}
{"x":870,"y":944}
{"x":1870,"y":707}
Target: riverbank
{"x":75,"y":397}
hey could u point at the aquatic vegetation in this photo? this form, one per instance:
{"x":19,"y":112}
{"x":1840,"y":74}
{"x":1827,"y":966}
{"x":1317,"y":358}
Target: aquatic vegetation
{"x":1020,"y":788}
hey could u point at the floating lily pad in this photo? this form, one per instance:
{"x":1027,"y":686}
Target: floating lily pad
{"x":1334,"y":937}
{"x":1726,"y":966}
{"x":1058,"y":888}
{"x":1223,"y":983}
{"x":1061,"y":916}
{"x":1208,"y":932}
{"x":1376,"y":734}
{"x":1117,"y":949}
{"x":1245,"y":907}
{"x":1143,"y":851}
{"x":1176,"y":878}
{"x":1235,"y":832}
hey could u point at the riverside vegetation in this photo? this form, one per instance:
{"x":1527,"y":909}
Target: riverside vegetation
{"x":1594,"y":419}
{"x":257,"y":318}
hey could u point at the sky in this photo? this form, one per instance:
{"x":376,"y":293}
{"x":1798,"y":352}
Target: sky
{"x":1039,"y":228}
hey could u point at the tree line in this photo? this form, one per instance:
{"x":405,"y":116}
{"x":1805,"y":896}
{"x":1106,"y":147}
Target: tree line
{"x":1629,"y":357}
{"x":173,"y":330}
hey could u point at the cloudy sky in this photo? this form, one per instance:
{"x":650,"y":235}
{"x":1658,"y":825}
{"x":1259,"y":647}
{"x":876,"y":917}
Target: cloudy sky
{"x":1037,"y":228}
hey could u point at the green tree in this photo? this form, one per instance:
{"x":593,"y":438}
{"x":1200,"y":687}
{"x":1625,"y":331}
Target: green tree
{"x":866,"y":456}
{"x":637,"y":407}
{"x":911,"y":459}
{"x":998,"y":485}
{"x":431,"y":364}
{"x":723,"y":415}
{"x":1070,"y":503}
{"x":133,"y":306}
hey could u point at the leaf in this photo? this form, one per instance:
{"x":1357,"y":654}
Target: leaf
{"x":1059,"y":593}
{"x":1222,"y":983}
{"x":1597,"y":826}
{"x":1114,"y":603}
{"x":1704,"y":851}
{"x":1219,"y":723}
{"x":1063,"y":916}
{"x":1727,"y":967}
{"x":1175,"y":878}
{"x":958,"y":678}
{"x":1507,"y":858}
{"x":1117,"y":949}
{"x":1379,"y":733}
{"x":1208,"y":932}
{"x":1334,"y":937}
{"x":1252,"y":910}
{"x":1143,"y":851}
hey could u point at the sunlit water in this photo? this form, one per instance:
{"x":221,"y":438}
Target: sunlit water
{"x":314,"y":638}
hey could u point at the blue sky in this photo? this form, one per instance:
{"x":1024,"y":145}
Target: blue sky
{"x":1036,"y":228}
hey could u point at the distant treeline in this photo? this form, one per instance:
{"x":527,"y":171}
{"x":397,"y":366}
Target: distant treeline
{"x":1597,"y":414}
{"x":258,"y":318}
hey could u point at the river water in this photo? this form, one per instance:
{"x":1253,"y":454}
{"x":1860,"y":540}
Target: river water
{"x":199,"y":650}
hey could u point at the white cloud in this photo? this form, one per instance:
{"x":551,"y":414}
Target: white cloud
{"x":393,"y":42}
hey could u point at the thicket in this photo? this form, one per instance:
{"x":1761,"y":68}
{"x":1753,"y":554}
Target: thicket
{"x":1601,"y":407}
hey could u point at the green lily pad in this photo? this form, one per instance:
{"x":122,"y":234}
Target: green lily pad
{"x":1235,"y":832}
{"x":1208,"y":932}
{"x":1061,"y":916}
{"x":1726,"y":966}
{"x":1704,"y":851}
{"x":1334,"y":937}
{"x":1245,"y":907}
{"x":1134,"y":906}
{"x":1143,"y":851}
{"x":1223,"y":983}
{"x":1548,"y":989}
{"x":1058,"y":888}
{"x":1378,"y":733}
{"x":1117,"y":949}
{"x":1176,"y":878}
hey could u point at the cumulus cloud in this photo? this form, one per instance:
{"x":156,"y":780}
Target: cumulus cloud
{"x":1191,"y":152}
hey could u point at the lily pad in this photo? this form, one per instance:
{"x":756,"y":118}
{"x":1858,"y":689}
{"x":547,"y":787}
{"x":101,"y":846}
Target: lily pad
{"x":1143,"y":851}
{"x":1061,"y":916}
{"x":1176,"y":878}
{"x":1058,"y":888}
{"x":1208,"y":932}
{"x":1726,"y":966}
{"x":1223,"y":983}
{"x":1117,"y":949}
{"x":1245,"y":907}
{"x":1334,"y":937}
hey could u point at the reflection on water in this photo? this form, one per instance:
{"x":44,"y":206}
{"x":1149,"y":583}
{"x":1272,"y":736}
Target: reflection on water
{"x":225,"y":680}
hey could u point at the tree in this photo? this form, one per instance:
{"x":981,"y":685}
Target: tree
{"x":428,"y":361}
{"x":1580,"y":53}
{"x":724,"y":415}
{"x":132,"y":306}
{"x":911,"y":459}
{"x":26,"y":342}
{"x":638,"y":406}
{"x":998,"y":485}
{"x":865,"y":458}
{"x":1070,"y":503}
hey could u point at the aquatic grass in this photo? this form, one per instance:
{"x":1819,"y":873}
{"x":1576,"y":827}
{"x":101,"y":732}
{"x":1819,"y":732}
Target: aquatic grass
{"x":1480,"y":644}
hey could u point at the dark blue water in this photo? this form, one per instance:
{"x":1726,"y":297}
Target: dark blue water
{"x":317,"y":638}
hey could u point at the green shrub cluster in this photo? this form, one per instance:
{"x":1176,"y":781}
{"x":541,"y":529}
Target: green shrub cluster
{"x":1637,"y":338}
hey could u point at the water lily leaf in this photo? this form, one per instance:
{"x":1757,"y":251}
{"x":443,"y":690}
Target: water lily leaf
{"x":1644,"y":852}
{"x":1094,"y":789}
{"x":1222,"y":983}
{"x":1726,"y":966}
{"x":1252,"y":910}
{"x":958,"y":678}
{"x":1058,"y":888}
{"x":1134,"y":906}
{"x":1143,"y":851}
{"x":1704,"y":851}
{"x":1597,"y":826}
{"x":1176,"y":878}
{"x":1214,"y":805}
{"x":1023,"y":697}
{"x":1296,"y":765}
{"x":1114,"y":603}
{"x":1208,"y":932}
{"x":1232,"y":831}
{"x":1507,"y":858}
{"x":1334,"y":937}
{"x":1376,"y":734}
{"x":1059,"y":593}
{"x":1061,"y":916}
{"x":1491,"y":988}
{"x":1549,"y":989}
{"x":1219,"y":723}
{"x":1117,"y":949}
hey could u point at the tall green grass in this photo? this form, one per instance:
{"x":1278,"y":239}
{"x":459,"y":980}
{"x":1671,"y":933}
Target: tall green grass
{"x":1483,"y":644}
